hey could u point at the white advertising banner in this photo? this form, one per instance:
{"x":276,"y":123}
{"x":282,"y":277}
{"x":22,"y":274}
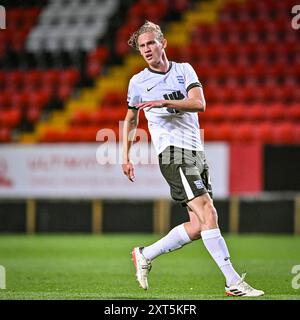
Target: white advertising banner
{"x":93,"y":171}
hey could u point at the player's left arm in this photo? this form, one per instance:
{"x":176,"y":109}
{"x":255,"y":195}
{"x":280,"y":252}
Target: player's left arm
{"x":195,"y":102}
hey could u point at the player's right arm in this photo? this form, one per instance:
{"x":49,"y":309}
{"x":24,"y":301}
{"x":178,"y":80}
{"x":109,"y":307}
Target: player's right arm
{"x":129,"y":129}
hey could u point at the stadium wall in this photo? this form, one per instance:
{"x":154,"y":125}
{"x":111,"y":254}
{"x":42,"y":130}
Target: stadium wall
{"x":91,"y":201}
{"x":267,"y":214}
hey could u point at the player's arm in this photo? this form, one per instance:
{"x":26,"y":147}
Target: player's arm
{"x":194,"y":103}
{"x":129,"y":128}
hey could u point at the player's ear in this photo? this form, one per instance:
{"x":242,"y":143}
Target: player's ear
{"x":165,"y":43}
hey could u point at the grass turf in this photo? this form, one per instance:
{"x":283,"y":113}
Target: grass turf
{"x":99,"y":267}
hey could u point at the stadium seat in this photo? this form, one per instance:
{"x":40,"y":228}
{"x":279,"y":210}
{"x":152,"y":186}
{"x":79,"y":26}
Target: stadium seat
{"x":71,"y":26}
{"x":64,"y":91}
{"x":292,"y":112}
{"x":51,"y":135}
{"x":275,"y":112}
{"x":50,"y":78}
{"x":255,"y":113}
{"x":282,"y":133}
{"x":5,"y":134}
{"x":262,"y":132}
{"x":234,"y":113}
{"x":10,"y":118}
{"x":19,"y":99}
{"x":5,"y":100}
{"x":68,"y":77}
{"x":32,"y":78}
{"x":81,"y":117}
{"x":33,"y":114}
{"x":242,"y":132}
{"x":247,"y":62}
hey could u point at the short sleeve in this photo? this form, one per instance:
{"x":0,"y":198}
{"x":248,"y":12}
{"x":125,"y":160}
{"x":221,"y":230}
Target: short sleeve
{"x":133,"y":96}
{"x":191,"y":78}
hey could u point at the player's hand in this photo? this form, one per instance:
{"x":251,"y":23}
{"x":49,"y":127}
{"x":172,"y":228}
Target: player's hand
{"x":151,"y":104}
{"x":128,"y":170}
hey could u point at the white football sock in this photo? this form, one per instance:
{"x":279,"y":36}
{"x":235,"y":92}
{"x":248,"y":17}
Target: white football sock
{"x":175,"y":239}
{"x":216,"y":246}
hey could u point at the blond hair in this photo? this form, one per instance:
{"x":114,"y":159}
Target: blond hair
{"x":148,"y":26}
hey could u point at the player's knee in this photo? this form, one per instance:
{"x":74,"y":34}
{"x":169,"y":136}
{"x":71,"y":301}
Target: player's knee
{"x":195,"y":233}
{"x":194,"y":230}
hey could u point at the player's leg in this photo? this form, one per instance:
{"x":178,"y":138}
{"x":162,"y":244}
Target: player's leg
{"x":174,"y":240}
{"x":193,"y":227}
{"x":143,"y":256}
{"x":203,"y":207}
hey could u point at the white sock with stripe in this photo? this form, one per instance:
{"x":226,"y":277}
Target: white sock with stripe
{"x":175,"y":239}
{"x":216,"y":246}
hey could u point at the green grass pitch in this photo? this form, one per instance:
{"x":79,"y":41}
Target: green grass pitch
{"x":100,"y":267}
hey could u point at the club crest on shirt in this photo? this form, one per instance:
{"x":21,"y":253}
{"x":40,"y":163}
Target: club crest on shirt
{"x":199,"y":184}
{"x":180,"y":79}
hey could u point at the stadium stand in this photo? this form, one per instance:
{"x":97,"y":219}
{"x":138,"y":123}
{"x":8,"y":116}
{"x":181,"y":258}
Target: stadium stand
{"x":74,"y":65}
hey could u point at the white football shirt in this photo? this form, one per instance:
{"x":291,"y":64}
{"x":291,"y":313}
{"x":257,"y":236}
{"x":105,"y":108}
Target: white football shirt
{"x":168,"y":127}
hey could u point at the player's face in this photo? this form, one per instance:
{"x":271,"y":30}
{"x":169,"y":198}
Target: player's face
{"x":150,"y":48}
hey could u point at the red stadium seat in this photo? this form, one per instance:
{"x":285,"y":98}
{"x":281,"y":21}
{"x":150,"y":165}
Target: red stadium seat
{"x":18,"y":40}
{"x":215,"y":114}
{"x":181,"y":5}
{"x":98,"y":117}
{"x":262,"y":132}
{"x":68,"y":77}
{"x":255,"y":112}
{"x":51,"y":135}
{"x":81,"y":117}
{"x":235,"y":113}
{"x":113,"y":99}
{"x":33,"y":114}
{"x":282,"y":133}
{"x":100,"y":53}
{"x":5,"y":100}
{"x":14,"y":79}
{"x":5,"y":135}
{"x":32,"y":79}
{"x":296,"y":133}
{"x":89,"y":133}
{"x":94,"y":68}
{"x":32,"y":14}
{"x":64,"y":91}
{"x":38,"y":99}
{"x":292,"y":113}
{"x":242,"y":132}
{"x":14,"y":17}
{"x":10,"y":118}
{"x":71,"y":134}
{"x":275,"y":112}
{"x":209,"y":130}
{"x":19,"y":99}
{"x":217,"y":132}
{"x":2,"y":78}
{"x":50,"y":78}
